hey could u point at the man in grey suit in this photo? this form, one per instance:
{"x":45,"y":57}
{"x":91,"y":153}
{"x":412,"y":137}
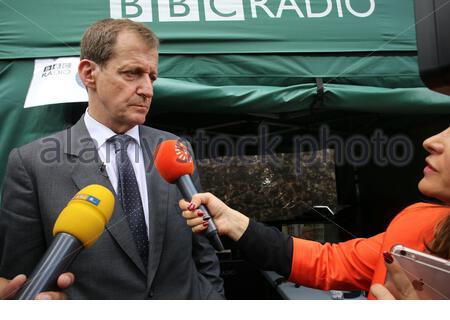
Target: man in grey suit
{"x":146,"y":253}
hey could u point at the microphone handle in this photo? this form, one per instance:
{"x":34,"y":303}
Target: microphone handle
{"x":58,"y":257}
{"x":188,"y":189}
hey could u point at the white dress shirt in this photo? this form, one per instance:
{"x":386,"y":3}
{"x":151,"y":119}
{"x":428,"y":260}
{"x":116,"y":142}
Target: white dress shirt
{"x":100,"y":133}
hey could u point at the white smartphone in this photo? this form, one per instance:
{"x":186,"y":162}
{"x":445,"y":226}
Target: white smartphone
{"x":429,"y":275}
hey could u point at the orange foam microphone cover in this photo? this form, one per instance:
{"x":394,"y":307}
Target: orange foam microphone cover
{"x":173,"y":160}
{"x":175,"y":165}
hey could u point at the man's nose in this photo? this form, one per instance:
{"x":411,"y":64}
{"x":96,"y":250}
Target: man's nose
{"x":146,"y":88}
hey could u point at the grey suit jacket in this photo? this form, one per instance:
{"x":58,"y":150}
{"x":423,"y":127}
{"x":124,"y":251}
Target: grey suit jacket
{"x":44,"y":175}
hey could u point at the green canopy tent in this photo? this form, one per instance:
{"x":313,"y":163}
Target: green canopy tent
{"x":227,"y":57}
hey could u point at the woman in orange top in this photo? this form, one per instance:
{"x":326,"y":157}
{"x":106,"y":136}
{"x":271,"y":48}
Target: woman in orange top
{"x":352,"y":265}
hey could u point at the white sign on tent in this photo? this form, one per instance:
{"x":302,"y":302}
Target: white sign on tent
{"x":55,"y":81}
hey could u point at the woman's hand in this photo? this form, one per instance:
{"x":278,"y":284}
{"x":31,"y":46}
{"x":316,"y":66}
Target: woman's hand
{"x":398,"y":285}
{"x":228,"y":221}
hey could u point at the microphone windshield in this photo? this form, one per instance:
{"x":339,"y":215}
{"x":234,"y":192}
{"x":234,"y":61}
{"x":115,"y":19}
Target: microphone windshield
{"x":173,"y":160}
{"x":87,"y":214}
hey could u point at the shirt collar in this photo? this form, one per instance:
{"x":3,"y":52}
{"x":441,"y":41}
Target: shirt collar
{"x":101,"y":133}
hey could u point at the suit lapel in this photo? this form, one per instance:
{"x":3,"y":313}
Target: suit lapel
{"x":158,"y":196}
{"x":87,"y":171}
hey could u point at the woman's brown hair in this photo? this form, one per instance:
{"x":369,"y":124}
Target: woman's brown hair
{"x":440,"y":246}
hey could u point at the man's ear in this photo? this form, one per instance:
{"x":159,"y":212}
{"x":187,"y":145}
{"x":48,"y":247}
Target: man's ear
{"x":87,"y":70}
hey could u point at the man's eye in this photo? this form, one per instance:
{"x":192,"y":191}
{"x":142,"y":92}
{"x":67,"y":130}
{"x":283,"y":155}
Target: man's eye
{"x":129,"y":75}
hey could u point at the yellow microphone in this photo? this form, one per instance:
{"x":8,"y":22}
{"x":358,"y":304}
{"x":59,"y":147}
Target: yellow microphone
{"x":78,"y":226}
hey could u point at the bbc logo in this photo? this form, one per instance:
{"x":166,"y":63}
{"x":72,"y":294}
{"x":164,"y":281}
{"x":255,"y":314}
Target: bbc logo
{"x":178,"y":10}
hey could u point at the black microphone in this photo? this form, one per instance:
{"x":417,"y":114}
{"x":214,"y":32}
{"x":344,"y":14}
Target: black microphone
{"x":188,"y":189}
{"x":175,"y":165}
{"x":103,"y":171}
{"x":79,"y":225}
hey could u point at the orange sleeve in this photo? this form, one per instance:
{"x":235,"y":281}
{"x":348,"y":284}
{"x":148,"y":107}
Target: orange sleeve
{"x":347,"y":265}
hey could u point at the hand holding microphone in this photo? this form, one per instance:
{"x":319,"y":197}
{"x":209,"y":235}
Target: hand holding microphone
{"x":9,"y":288}
{"x":228,"y":221}
{"x":79,"y":225}
{"x":175,"y":165}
